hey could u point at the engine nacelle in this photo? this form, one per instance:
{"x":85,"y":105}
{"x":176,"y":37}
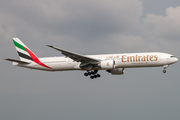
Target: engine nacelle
{"x":107,"y":64}
{"x":117,"y":71}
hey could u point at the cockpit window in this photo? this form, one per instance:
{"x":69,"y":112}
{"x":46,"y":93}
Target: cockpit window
{"x":172,"y":56}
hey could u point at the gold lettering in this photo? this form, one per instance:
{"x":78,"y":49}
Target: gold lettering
{"x":123,"y":57}
{"x":136,"y":58}
{"x":116,"y":57}
{"x":151,"y":58}
{"x":156,"y":58}
{"x":139,"y":58}
{"x":147,"y":57}
{"x":131,"y":58}
{"x":143,"y":58}
{"x":127,"y":58}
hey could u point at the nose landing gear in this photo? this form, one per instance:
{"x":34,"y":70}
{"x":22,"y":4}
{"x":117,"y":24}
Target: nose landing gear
{"x":165,"y":66}
{"x":92,"y":74}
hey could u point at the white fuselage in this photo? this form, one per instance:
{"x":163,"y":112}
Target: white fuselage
{"x":129,"y":60}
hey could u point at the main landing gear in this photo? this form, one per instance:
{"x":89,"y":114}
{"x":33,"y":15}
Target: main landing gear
{"x":92,"y":74}
{"x":165,"y":66}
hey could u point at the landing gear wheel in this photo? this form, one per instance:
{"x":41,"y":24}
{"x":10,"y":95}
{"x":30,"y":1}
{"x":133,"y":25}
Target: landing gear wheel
{"x":92,"y":77}
{"x":164,"y":71}
{"x":98,"y":75}
{"x":95,"y":71}
{"x":86,"y":74}
{"x":95,"y":76}
{"x":89,"y":73}
{"x":92,"y":72}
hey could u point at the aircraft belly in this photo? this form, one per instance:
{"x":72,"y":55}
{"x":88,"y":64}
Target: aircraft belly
{"x":32,"y":66}
{"x":58,"y":66}
{"x":64,"y":66}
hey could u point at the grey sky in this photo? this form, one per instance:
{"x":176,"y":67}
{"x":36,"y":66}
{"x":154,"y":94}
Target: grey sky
{"x":90,"y":27}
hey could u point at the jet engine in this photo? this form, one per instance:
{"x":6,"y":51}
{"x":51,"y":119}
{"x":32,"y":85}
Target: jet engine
{"x":117,"y":71}
{"x":107,"y":64}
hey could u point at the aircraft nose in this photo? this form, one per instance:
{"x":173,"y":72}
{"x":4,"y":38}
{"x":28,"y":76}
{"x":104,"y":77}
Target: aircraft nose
{"x":176,"y":59}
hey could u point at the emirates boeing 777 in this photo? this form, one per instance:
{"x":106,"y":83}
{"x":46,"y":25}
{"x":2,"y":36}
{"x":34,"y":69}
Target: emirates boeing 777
{"x":112,"y":63}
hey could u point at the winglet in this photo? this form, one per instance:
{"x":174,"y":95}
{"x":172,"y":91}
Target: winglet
{"x":49,"y":45}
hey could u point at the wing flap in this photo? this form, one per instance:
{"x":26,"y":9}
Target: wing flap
{"x":76,"y":57}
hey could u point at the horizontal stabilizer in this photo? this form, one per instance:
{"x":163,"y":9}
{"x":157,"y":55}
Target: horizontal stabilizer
{"x":18,"y":61}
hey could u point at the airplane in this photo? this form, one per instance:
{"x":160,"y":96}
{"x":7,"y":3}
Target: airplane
{"x":91,"y":64}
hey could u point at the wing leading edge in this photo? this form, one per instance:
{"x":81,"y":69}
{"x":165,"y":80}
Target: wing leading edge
{"x":76,"y":57}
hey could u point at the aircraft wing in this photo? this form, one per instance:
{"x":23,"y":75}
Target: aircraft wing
{"x":76,"y":57}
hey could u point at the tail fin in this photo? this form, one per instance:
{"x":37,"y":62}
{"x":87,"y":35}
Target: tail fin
{"x":24,"y":52}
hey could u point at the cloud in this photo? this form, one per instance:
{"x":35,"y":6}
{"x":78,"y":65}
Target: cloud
{"x":166,"y":27}
{"x":163,"y":31}
{"x":77,"y":18}
{"x":98,"y":24}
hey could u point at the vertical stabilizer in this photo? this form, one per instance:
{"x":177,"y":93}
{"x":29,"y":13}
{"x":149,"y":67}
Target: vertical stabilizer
{"x":24,"y":52}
